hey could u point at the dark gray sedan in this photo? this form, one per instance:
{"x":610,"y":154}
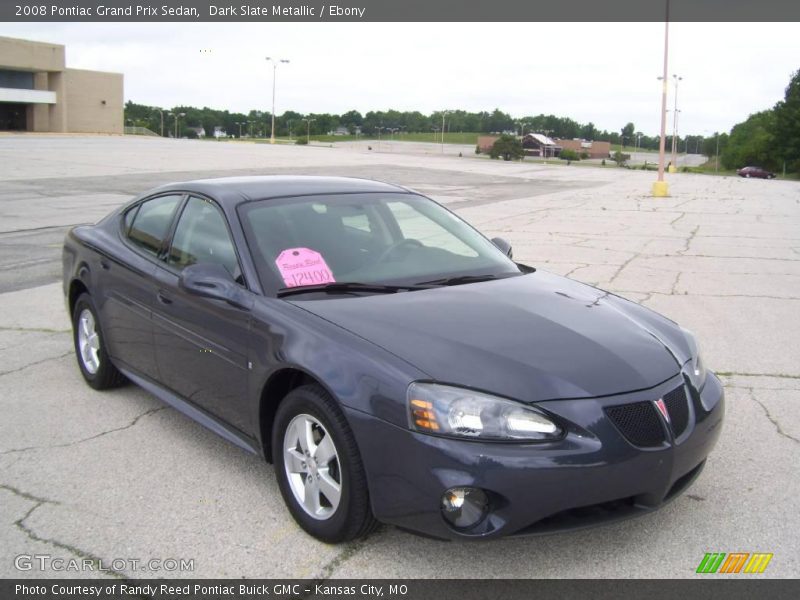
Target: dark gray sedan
{"x":394,"y":364}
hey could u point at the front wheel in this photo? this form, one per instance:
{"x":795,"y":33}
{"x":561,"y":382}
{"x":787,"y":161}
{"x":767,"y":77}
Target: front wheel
{"x":319,"y":469}
{"x":96,"y":367}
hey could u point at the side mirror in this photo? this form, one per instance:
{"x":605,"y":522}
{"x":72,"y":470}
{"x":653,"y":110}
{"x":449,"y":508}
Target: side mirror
{"x":504,"y":246}
{"x":211,"y":280}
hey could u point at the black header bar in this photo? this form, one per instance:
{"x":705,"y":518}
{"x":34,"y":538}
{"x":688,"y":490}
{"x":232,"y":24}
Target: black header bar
{"x":710,"y":587}
{"x":194,"y":11}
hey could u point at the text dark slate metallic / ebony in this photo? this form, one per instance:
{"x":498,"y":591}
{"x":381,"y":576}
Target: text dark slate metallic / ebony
{"x":392,"y":363}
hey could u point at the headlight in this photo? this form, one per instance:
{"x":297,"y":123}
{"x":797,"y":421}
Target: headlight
{"x":451,"y":411}
{"x":695,"y":367}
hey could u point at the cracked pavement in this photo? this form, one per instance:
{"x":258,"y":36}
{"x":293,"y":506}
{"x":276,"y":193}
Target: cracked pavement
{"x":97,"y":476}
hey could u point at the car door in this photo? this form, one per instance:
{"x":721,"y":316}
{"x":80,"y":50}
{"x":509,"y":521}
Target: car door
{"x":127,"y":283}
{"x":202,"y":343}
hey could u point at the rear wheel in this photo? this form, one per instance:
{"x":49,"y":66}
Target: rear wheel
{"x":95,"y":366}
{"x":318,"y":467}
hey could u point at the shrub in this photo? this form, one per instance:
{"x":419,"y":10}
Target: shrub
{"x":568,"y":155}
{"x":301,"y":141}
{"x":621,"y":158}
{"x":603,"y":162}
{"x":477,"y":149}
{"x":584,"y":155}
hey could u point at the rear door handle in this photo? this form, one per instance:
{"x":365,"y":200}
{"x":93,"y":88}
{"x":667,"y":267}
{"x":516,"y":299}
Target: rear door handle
{"x":163,"y":298}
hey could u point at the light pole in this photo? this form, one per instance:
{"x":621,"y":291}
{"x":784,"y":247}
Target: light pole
{"x":240,"y":128}
{"x":308,"y":128}
{"x":547,"y":133}
{"x":161,"y":112}
{"x":274,"y":62}
{"x":379,"y":128}
{"x":290,"y":129}
{"x":716,"y":153}
{"x":177,"y":117}
{"x":660,"y":188}
{"x":673,"y":166}
{"x":444,"y":114}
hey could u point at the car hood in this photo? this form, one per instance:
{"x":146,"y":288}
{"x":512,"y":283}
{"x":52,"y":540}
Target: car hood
{"x":533,"y":337}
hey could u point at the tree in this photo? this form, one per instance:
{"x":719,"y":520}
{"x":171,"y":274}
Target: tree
{"x":589,"y":132}
{"x":351,"y":120}
{"x":710,"y":144}
{"x":627,"y":133}
{"x":498,"y":121}
{"x":752,"y":143}
{"x":507,"y":146}
{"x":787,"y":125}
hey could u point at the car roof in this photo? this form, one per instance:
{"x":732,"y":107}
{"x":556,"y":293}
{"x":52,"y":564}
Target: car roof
{"x":236,"y":189}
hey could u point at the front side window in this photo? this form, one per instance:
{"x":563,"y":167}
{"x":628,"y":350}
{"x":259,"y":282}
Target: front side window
{"x":151,"y":222}
{"x":365,"y":238}
{"x":202,"y":237}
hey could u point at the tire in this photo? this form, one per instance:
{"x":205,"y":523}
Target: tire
{"x":90,"y":350}
{"x":309,"y":410}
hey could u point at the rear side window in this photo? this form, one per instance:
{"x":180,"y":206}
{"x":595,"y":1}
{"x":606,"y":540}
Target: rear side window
{"x":129,"y":217}
{"x":151,"y":222}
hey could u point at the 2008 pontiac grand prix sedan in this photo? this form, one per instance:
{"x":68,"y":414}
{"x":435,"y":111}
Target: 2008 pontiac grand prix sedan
{"x":394,"y":365}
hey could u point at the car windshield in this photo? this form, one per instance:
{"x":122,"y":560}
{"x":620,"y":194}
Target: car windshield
{"x":390,"y":239}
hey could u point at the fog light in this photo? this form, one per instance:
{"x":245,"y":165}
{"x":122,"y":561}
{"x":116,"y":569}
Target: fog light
{"x":464,"y":507}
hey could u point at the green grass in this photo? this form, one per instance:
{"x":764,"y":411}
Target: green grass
{"x":629,"y":149}
{"x":435,"y":138}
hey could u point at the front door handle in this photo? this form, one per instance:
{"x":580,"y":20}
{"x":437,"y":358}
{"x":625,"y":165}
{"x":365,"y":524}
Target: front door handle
{"x":163,"y":298}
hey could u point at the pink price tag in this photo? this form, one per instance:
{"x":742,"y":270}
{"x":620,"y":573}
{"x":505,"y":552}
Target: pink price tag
{"x":303,"y":266}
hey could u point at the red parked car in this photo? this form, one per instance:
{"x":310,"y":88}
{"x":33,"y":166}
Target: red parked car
{"x":755,"y":172}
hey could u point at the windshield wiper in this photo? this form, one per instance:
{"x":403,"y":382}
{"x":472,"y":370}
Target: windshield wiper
{"x":350,"y":286}
{"x":459,"y":280}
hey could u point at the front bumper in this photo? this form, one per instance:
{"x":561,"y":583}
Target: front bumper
{"x":591,"y":476}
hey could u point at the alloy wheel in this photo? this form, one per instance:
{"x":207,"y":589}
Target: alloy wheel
{"x":88,"y":341}
{"x":312,"y":467}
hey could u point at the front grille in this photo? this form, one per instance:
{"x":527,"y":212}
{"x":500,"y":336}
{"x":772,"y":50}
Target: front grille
{"x":584,"y":516}
{"x":678,"y":409}
{"x":639,"y":423}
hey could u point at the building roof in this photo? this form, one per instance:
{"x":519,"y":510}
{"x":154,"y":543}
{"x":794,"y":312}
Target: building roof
{"x":542,"y":139}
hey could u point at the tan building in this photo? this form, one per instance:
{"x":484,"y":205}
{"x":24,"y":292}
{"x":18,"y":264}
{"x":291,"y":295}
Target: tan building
{"x":593,"y":149}
{"x":38,"y":92}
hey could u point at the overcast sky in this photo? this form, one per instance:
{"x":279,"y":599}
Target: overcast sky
{"x":599,"y":72}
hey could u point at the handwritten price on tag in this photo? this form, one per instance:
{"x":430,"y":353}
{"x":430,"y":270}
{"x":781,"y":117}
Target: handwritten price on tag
{"x":303,"y":266}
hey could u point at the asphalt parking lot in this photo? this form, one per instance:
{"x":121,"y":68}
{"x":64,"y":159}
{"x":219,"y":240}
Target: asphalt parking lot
{"x":117,"y":475}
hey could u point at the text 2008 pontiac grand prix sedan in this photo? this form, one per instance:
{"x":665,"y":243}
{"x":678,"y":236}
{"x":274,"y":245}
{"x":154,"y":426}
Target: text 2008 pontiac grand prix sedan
{"x":394,"y":365}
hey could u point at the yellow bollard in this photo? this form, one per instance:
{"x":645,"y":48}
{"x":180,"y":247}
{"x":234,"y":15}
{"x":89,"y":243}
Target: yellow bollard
{"x":660,"y":189}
